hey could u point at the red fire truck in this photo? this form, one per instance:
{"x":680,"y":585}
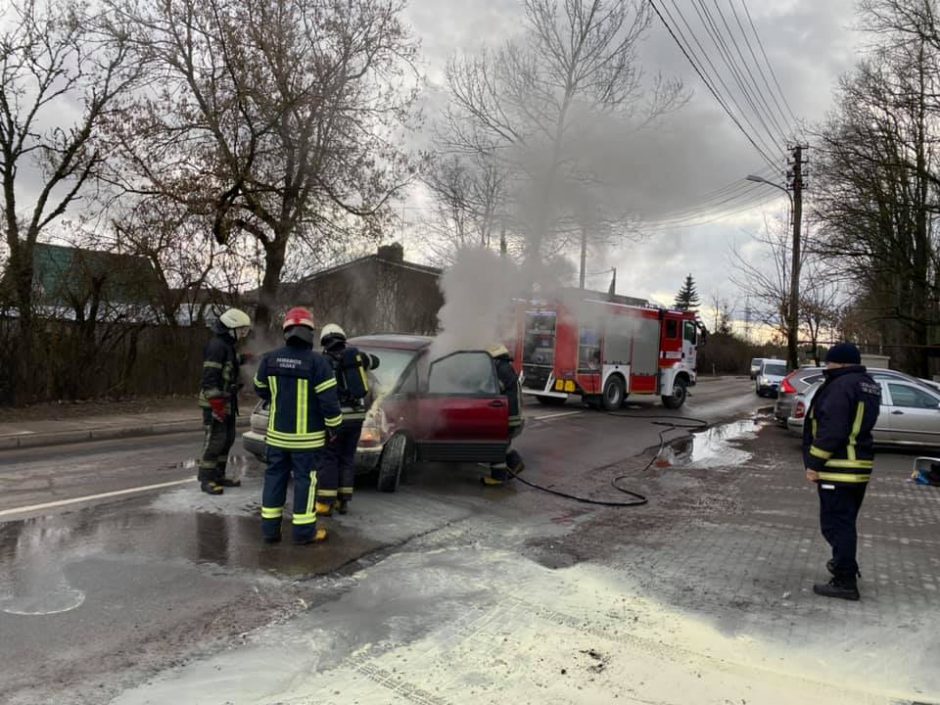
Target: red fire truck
{"x":605,"y":348}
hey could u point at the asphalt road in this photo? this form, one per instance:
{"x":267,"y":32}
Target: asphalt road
{"x":113,"y":567}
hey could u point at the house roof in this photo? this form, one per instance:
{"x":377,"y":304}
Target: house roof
{"x":61,"y":272}
{"x":411,"y":266}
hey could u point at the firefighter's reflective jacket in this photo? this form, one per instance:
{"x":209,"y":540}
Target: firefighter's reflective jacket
{"x":837,"y":438}
{"x":219,"y":368}
{"x":509,"y":385}
{"x":301,"y":388}
{"x":351,"y":367}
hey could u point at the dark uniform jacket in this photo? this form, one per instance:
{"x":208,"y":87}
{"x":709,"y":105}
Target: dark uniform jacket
{"x":220,"y":367}
{"x":509,"y":385}
{"x":351,"y":367}
{"x":301,"y":388}
{"x":837,"y":439}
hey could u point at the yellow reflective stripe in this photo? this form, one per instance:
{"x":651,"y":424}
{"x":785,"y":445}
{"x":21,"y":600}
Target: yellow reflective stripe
{"x":272,"y":512}
{"x":323,"y":386}
{"x":295,"y":445}
{"x":859,"y":464}
{"x":326,"y":493}
{"x":334,"y":420}
{"x":259,"y":383}
{"x":346,"y":490}
{"x":209,"y":363}
{"x":856,"y":429}
{"x":315,"y":436}
{"x":303,"y":390}
{"x":272,"y":407}
{"x":843,"y":477}
{"x":819,"y":453}
{"x":311,"y":496}
{"x":304,"y":519}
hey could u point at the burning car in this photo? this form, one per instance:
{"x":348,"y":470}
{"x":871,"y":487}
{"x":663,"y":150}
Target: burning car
{"x":448,"y":409}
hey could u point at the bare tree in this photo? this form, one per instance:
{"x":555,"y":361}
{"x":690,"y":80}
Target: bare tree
{"x":57,"y":60}
{"x":527,"y":106}
{"x":276,"y":119}
{"x":820,"y":304}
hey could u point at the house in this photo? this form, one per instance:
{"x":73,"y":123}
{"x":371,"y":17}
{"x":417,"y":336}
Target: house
{"x":380,"y":293}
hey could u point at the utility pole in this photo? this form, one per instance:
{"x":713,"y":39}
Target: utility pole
{"x":793,"y":312}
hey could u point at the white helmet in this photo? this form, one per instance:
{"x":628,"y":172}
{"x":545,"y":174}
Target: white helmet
{"x":236,"y":321}
{"x":331,"y":330}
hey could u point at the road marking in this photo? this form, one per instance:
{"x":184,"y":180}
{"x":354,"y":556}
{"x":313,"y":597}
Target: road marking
{"x":556,"y":416}
{"x":88,"y":498}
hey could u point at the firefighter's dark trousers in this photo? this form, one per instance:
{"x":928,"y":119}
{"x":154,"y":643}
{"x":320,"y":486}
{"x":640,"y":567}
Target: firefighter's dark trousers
{"x":341,"y":474}
{"x":303,"y":466}
{"x":838,"y":510}
{"x":220,"y":436}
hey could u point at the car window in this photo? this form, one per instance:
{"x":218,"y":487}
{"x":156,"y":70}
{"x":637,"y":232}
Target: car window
{"x":778,"y":369}
{"x":463,"y":373}
{"x":690,"y":332}
{"x":672,"y":329}
{"x":392,"y":363}
{"x":911,"y":397}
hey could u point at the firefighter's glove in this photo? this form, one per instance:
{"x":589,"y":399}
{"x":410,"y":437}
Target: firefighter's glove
{"x":332,"y":436}
{"x":219,"y":407}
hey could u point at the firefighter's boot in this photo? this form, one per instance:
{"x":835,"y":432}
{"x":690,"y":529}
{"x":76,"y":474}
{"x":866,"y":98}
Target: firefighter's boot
{"x":324,"y":509}
{"x":228,"y":482}
{"x":211,"y":487}
{"x":318,"y":536}
{"x":838,"y":587}
{"x":342,"y":506}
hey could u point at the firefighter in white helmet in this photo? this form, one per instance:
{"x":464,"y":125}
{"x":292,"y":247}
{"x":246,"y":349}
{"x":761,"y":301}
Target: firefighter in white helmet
{"x":508,"y":385}
{"x":218,"y":397}
{"x":352,"y":367}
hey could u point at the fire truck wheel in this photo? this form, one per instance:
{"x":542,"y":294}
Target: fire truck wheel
{"x":678,"y":395}
{"x":613,"y":394}
{"x":394,"y":463}
{"x":551,"y":401}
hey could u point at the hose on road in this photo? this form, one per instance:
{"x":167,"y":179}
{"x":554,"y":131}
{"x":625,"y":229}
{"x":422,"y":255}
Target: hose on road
{"x":669,"y":423}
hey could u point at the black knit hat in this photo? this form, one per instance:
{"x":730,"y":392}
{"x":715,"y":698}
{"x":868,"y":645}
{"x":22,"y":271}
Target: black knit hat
{"x":845,"y":354}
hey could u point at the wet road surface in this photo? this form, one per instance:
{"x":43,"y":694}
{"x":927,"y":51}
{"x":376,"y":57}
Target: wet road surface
{"x":97,"y":595}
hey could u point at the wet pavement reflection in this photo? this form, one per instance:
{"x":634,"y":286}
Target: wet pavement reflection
{"x":713,"y":447}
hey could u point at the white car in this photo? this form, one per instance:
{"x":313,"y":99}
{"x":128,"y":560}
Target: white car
{"x":769,"y":377}
{"x":910,"y":411}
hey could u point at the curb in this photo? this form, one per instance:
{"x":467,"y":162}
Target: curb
{"x":33,"y":440}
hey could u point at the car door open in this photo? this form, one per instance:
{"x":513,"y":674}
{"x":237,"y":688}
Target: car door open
{"x":463,"y":415}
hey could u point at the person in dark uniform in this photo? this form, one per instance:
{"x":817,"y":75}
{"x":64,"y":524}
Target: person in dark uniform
{"x":304,"y":416}
{"x":838,"y":454}
{"x":508,"y":385}
{"x":218,"y":397}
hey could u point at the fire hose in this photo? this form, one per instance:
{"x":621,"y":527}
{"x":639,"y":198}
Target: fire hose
{"x":674,"y":423}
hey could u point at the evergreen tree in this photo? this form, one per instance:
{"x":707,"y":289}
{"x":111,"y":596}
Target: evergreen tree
{"x":687,"y":298}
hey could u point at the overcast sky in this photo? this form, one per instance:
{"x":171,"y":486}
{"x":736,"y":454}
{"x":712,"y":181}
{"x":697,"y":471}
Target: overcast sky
{"x":809,"y":43}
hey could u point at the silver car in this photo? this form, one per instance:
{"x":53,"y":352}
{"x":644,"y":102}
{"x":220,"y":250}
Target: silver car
{"x":910,"y":411}
{"x":755,"y":366}
{"x":769,"y":377}
{"x":793,"y":384}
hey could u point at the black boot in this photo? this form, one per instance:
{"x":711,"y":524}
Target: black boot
{"x":226,"y":482}
{"x":210,"y":487}
{"x":838,"y":587}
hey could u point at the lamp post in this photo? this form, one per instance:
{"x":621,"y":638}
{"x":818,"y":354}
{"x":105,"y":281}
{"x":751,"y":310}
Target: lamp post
{"x":793,"y":309}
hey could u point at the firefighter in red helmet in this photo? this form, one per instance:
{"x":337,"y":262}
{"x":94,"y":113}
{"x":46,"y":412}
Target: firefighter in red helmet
{"x":304,"y":416}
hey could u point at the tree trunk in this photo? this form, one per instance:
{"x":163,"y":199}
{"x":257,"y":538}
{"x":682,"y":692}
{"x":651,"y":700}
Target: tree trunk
{"x":274,"y":253}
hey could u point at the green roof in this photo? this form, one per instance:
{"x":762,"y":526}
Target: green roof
{"x":61,"y":274}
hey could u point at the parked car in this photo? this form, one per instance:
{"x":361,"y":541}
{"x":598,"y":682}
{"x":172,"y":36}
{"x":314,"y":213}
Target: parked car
{"x":755,"y":366}
{"x":447,"y":409}
{"x":794,"y":383}
{"x":910,"y":410}
{"x":769,"y":377}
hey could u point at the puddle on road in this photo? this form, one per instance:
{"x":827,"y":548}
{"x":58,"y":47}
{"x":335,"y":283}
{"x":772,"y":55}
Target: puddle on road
{"x":714,"y":447}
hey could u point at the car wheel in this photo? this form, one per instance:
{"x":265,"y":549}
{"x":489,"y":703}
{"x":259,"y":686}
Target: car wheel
{"x":757,"y":391}
{"x":551,"y":401}
{"x":613,"y":394}
{"x":394,"y":462}
{"x":679,"y":393}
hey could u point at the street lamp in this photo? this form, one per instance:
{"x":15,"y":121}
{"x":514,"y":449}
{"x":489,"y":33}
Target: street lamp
{"x":793,"y":320}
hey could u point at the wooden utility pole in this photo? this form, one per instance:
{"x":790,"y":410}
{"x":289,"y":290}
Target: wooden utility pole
{"x":793,"y":312}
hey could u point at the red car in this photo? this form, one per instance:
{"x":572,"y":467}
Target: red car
{"x":446,"y":410}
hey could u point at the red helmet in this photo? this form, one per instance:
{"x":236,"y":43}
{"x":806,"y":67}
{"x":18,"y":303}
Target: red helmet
{"x":298,"y":316}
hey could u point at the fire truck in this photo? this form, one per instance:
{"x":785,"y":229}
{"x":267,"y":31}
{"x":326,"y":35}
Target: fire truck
{"x":604,"y":348}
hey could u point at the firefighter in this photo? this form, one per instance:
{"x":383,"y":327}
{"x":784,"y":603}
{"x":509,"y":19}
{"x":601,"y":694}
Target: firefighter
{"x":838,"y":454}
{"x":218,"y":397}
{"x":304,"y":417}
{"x":352,"y":368}
{"x":508,"y":385}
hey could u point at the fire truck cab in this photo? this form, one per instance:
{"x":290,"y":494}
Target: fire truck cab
{"x":605,"y":348}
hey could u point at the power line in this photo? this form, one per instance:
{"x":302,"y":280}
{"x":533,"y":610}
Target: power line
{"x":672,"y":27}
{"x":773,"y":74}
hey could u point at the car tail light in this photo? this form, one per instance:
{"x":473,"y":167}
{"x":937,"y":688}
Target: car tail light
{"x":786,"y":387}
{"x":800,"y":410}
{"x":371,"y":436}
